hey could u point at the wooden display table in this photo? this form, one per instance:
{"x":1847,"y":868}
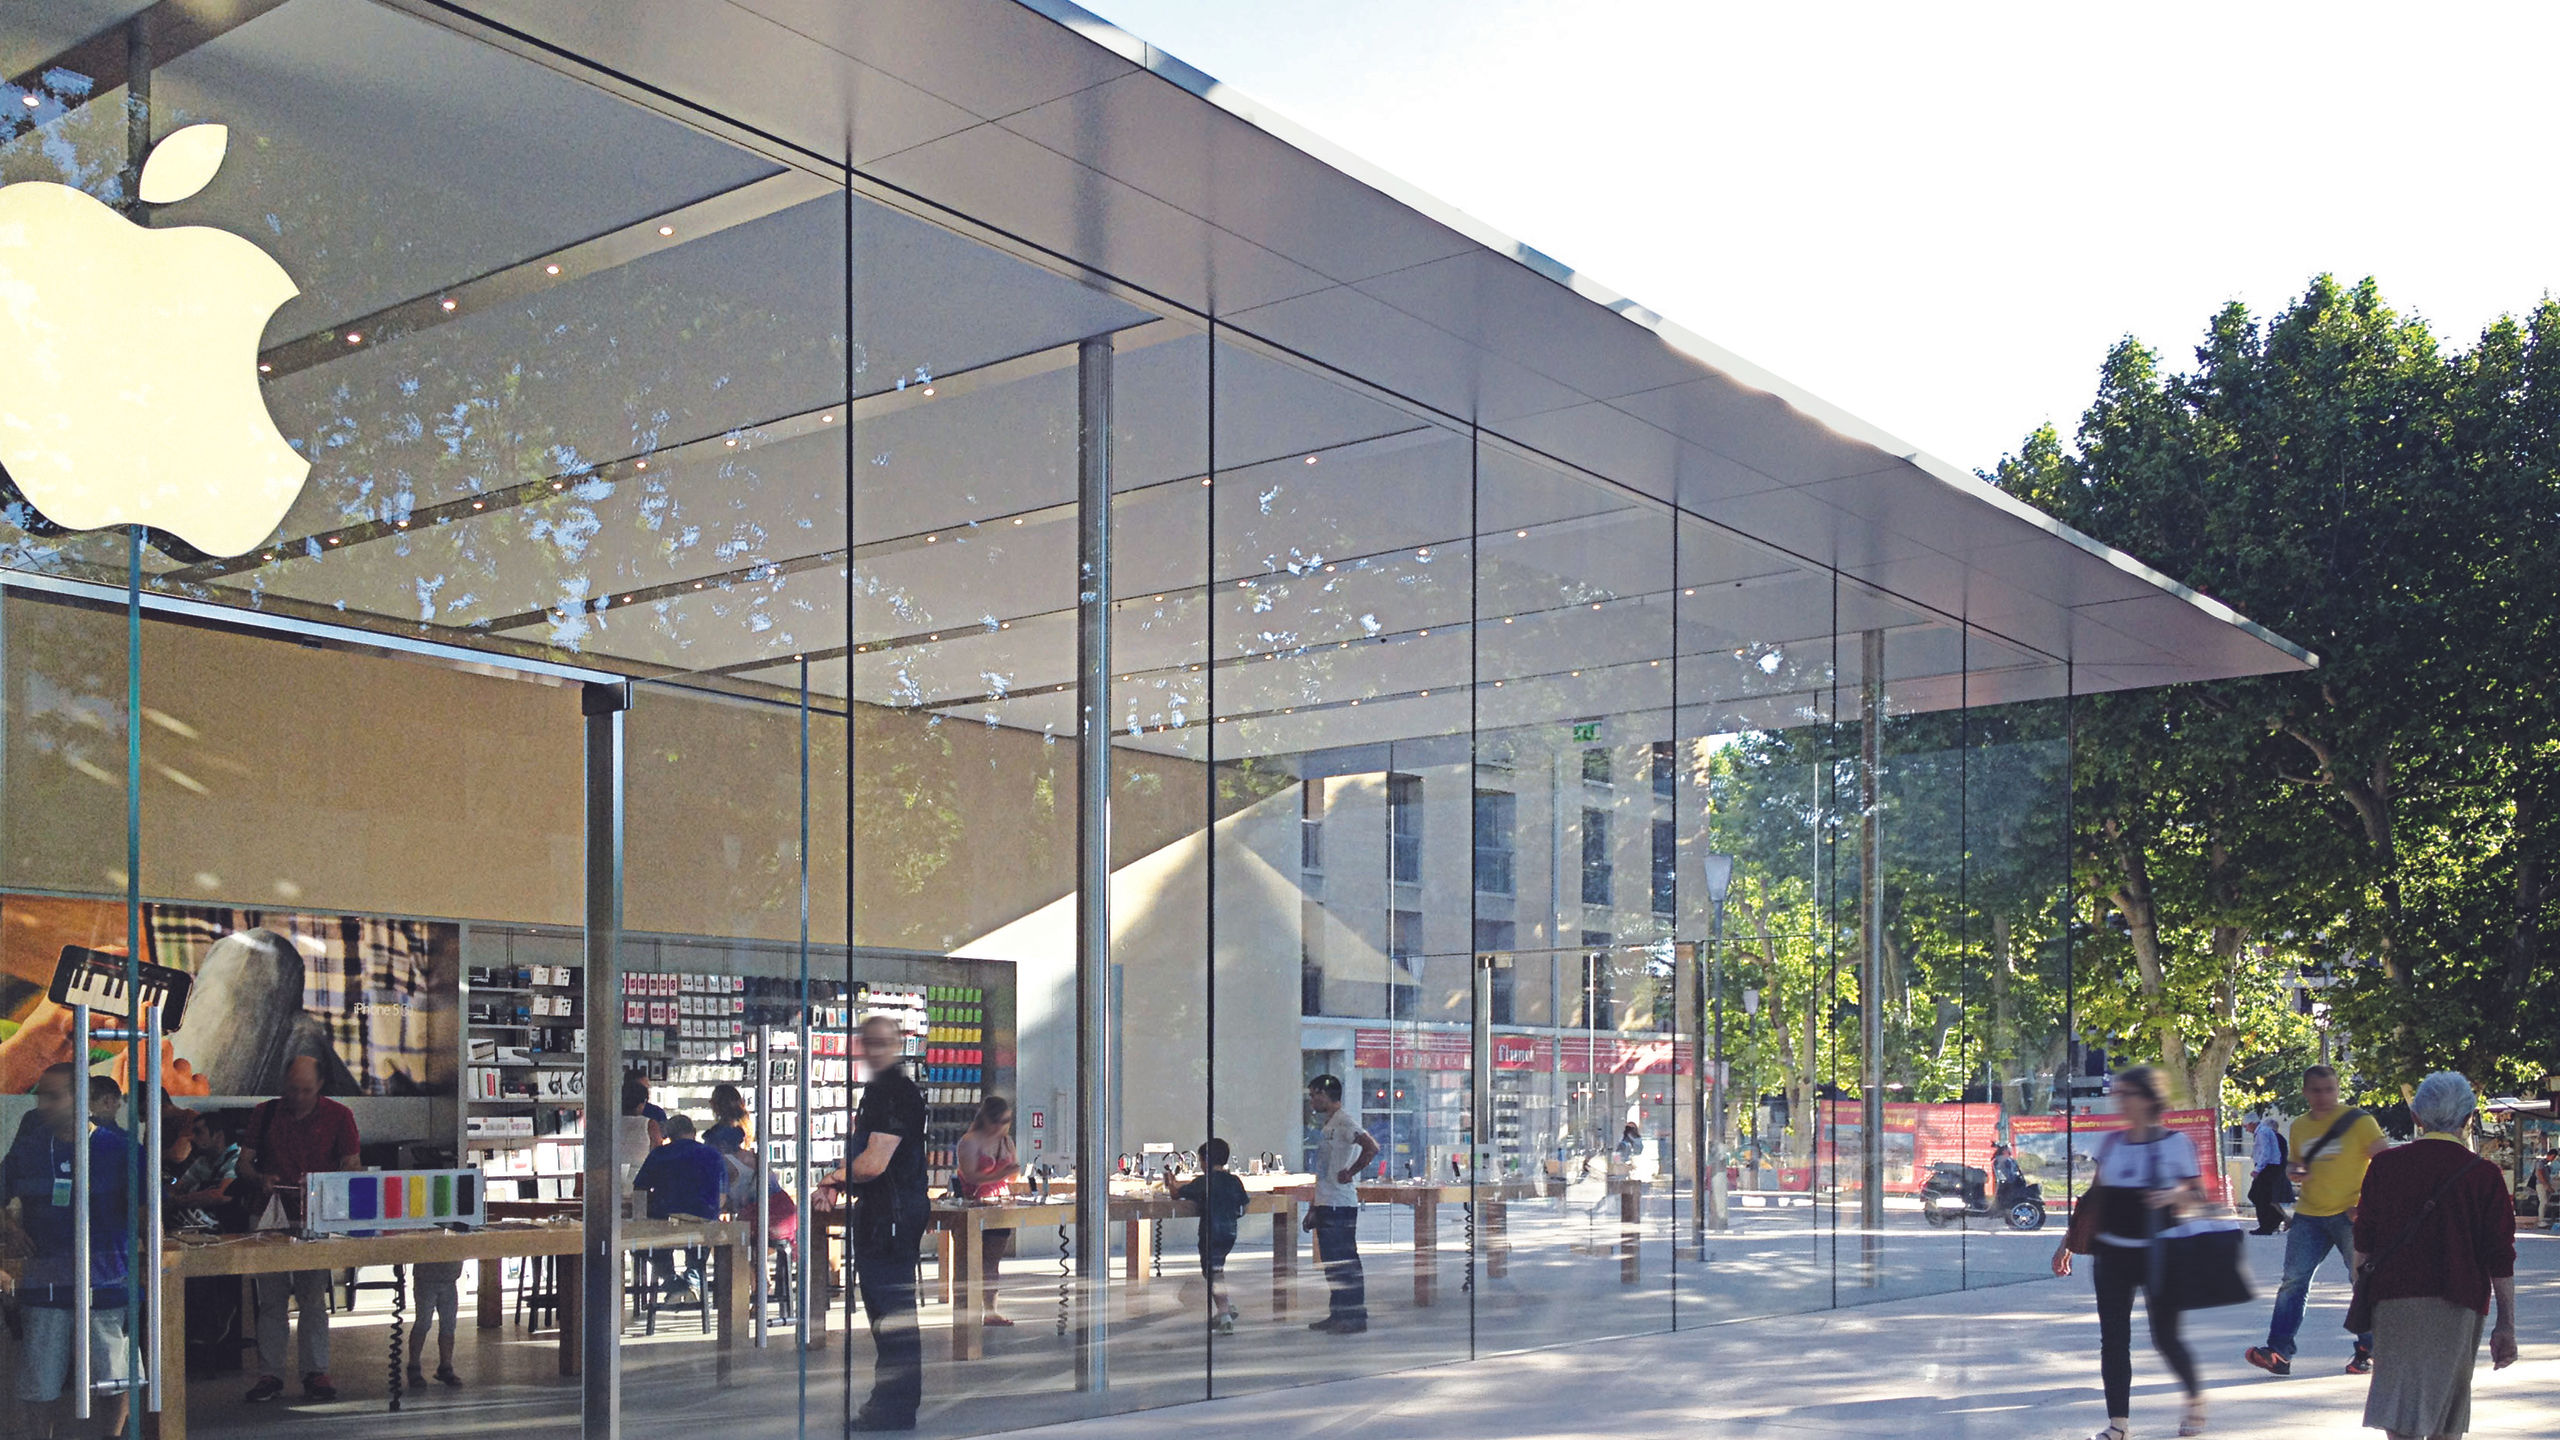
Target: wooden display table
{"x":1425,"y":1199}
{"x":961,"y":1230}
{"x":277,"y":1254}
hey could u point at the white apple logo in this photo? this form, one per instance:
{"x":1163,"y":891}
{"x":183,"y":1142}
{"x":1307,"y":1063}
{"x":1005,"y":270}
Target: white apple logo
{"x":129,"y":362}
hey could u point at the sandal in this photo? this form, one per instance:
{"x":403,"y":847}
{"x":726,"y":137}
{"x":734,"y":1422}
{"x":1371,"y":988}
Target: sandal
{"x":2113,"y":1432}
{"x":2193,"y":1422}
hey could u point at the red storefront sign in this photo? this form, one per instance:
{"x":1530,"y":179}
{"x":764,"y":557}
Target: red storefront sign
{"x":1582,"y":1055}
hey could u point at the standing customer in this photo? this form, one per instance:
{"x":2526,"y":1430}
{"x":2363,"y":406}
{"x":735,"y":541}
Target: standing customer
{"x":2268,"y":1189}
{"x":36,"y":1178}
{"x":886,"y":1175}
{"x":2331,"y":1147}
{"x":288,"y":1139}
{"x":982,"y":1165}
{"x":1343,"y":1151}
{"x":2546,"y":1181}
{"x":2440,"y":1231}
{"x":2145,"y":1174}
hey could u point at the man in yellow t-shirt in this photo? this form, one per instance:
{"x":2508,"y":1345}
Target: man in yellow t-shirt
{"x":2331,"y":1146}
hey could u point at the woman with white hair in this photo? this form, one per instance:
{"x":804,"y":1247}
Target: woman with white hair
{"x":2435,"y":1240}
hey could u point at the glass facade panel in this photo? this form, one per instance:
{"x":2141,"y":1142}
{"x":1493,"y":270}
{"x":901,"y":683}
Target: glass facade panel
{"x":713,"y":573}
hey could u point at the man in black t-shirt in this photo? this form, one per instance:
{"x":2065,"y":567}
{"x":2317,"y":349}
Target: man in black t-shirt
{"x":884,"y":1172}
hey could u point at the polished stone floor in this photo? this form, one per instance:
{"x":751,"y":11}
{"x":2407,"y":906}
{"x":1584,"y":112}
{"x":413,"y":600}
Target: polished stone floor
{"x":1573,"y":1351}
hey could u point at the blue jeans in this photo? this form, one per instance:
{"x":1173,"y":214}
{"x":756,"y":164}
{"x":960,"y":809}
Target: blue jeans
{"x":2305,"y":1246}
{"x":1338,"y":1250}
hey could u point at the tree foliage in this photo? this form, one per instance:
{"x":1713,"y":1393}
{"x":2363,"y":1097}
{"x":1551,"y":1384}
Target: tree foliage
{"x":2341,"y":477}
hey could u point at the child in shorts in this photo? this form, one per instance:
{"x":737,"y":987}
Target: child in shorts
{"x":1220,"y":1199}
{"x":439,"y":1286}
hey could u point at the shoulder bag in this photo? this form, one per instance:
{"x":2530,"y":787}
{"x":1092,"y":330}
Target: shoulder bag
{"x":2360,"y":1308}
{"x":2082,"y":1234}
{"x":2196,"y":1266}
{"x":2330,"y":1136}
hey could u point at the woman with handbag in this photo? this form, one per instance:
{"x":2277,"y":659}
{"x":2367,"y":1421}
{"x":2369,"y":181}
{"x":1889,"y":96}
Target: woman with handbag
{"x":2145,"y":1175}
{"x":2435,"y":1240}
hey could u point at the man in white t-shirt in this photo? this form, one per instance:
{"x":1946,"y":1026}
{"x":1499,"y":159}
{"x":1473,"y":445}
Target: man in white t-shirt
{"x":1343,"y":1151}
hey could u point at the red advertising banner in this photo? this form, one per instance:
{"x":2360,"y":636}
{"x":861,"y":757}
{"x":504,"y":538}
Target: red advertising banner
{"x":1582,"y":1055}
{"x":2041,"y":1141}
{"x":1916,"y":1135}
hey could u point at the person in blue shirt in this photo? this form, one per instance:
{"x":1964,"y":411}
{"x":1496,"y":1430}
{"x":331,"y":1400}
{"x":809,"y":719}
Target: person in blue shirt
{"x":36,"y":1181}
{"x":1220,"y":1199}
{"x":683,"y":1177}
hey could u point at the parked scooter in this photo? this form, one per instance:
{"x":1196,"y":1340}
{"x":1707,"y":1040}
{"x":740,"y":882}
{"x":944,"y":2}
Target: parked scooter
{"x":1958,"y":1192}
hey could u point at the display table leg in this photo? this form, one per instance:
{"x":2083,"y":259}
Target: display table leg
{"x":172,"y":1419}
{"x":1493,"y":1233}
{"x":573,"y":1293}
{"x":942,"y":1262}
{"x":492,"y":1290}
{"x":732,"y":1298}
{"x":1284,"y":1259}
{"x":1630,"y":1233}
{"x":1426,"y":1250}
{"x":964,"y":1244}
{"x":1133,"y":1262}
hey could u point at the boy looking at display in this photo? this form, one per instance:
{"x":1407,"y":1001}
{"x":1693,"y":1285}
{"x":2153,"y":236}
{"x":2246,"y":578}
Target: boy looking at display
{"x":1220,"y":1199}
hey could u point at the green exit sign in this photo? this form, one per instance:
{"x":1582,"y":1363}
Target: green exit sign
{"x":1586,"y":733}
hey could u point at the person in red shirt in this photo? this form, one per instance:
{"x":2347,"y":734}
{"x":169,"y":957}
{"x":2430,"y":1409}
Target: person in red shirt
{"x":286,"y":1139}
{"x":2440,"y":1230}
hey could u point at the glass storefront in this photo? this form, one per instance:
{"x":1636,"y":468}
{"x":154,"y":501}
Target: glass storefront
{"x":733,"y":599}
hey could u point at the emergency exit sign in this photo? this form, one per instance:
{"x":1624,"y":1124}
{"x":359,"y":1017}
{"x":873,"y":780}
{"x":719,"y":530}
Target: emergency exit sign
{"x":1588,"y":732}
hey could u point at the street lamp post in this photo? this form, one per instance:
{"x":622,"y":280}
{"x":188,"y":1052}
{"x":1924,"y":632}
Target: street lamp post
{"x":1719,"y":876}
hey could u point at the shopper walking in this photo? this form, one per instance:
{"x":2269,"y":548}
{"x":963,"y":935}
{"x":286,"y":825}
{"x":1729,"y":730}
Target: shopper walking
{"x":2435,"y":1240}
{"x":2145,"y":1175}
{"x":1343,"y":1152}
{"x":2269,"y":1190}
{"x":289,"y":1139}
{"x":885,"y":1173}
{"x":2332,"y":1145}
{"x":36,"y":1182}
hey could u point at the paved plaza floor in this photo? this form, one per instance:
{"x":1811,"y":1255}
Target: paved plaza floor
{"x":2014,"y":1362}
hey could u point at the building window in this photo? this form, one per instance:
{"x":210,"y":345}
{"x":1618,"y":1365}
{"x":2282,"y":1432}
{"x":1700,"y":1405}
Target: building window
{"x":1404,"y":933}
{"x":1497,"y":842}
{"x":1493,"y":937}
{"x":1599,"y":1006}
{"x":1664,"y":769}
{"x":1404,"y":828}
{"x":1598,"y":877}
{"x":1595,"y":765}
{"x":1311,"y":826}
{"x":1310,"y":958}
{"x":1666,"y":860}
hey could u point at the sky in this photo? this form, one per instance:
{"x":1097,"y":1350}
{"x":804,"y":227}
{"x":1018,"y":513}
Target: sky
{"x":1941,"y":217}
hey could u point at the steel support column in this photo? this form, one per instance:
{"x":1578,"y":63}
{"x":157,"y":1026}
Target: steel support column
{"x":600,"y":1246}
{"x":1096,"y":1046}
{"x":1871,"y":961}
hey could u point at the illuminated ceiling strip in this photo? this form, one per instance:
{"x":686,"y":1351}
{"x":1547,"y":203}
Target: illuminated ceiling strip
{"x":512,"y":284}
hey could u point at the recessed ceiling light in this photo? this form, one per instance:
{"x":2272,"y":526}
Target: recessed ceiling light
{"x":733,"y":442}
{"x":666,"y":229}
{"x":265,"y":369}
{"x":1506,"y":619}
{"x":1692,"y":590}
{"x":826,"y":419}
{"x":333,"y":539}
{"x":550,"y":269}
{"x":32,"y":101}
{"x":476,"y":504}
{"x":355,"y":337}
{"x":1311,"y":459}
{"x":1426,"y":632}
{"x":402,"y":524}
{"x":1017,"y":519}
{"x":1520,"y":534}
{"x":1204,"y":482}
{"x":447,"y":304}
{"x":1424,"y":552}
{"x":929,"y":539}
{"x":928,"y":390}
{"x":643,"y":465}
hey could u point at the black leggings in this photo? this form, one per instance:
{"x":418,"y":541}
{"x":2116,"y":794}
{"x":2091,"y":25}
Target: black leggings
{"x":2120,"y":1271}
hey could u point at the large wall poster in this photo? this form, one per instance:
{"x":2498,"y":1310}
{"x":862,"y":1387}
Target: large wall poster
{"x":373,"y":1000}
